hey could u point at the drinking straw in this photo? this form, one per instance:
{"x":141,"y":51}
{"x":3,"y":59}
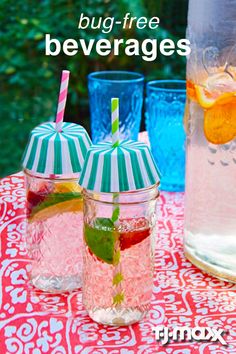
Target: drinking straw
{"x":118,"y":297}
{"x":115,"y":121}
{"x":62,"y":99}
{"x":115,"y":143}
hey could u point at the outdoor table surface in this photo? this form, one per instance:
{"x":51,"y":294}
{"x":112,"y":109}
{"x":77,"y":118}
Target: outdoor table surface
{"x":35,"y":322}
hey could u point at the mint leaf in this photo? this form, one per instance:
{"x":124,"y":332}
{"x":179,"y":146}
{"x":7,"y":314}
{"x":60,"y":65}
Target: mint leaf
{"x":101,"y":238}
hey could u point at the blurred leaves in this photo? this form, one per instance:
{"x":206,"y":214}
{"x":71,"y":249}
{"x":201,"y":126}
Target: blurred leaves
{"x":29,"y":80}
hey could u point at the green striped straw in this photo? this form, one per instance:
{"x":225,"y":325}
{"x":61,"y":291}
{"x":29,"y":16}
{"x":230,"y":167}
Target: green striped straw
{"x":118,"y":297}
{"x":115,"y":143}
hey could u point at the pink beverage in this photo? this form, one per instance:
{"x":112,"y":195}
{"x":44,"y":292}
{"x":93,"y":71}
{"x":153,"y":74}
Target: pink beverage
{"x":120,"y":181}
{"x":118,"y":257}
{"x":55,"y":226}
{"x":52,"y":162}
{"x":136,"y":290}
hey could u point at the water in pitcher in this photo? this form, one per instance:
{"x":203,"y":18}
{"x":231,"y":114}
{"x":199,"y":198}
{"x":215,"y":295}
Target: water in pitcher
{"x":210,"y":120}
{"x":210,"y":227}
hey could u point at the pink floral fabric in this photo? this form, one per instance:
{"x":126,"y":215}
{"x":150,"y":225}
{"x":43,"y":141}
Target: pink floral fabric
{"x":35,"y":322}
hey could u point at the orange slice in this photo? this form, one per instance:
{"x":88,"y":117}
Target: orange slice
{"x":65,"y":187}
{"x":220,"y":122}
{"x":225,"y":98}
{"x":72,"y":205}
{"x":204,"y":97}
{"x":191,"y":92}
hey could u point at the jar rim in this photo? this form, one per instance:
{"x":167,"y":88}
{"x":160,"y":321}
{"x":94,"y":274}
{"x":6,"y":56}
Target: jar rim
{"x":47,"y":178}
{"x":88,"y":194}
{"x":111,"y":76}
{"x":178,"y":86}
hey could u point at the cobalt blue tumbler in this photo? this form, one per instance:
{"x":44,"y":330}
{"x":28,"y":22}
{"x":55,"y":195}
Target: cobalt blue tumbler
{"x":128,"y":87}
{"x":164,"y":121}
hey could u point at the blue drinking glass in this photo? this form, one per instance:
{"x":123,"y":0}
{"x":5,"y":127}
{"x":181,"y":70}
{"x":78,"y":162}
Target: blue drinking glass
{"x":164,"y":121}
{"x":128,"y":87}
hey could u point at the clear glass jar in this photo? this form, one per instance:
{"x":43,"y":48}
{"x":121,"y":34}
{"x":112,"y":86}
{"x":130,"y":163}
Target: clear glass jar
{"x":54,"y":231}
{"x":118,"y":255}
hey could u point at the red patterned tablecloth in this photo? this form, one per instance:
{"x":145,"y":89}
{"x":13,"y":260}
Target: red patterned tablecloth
{"x":35,"y":322}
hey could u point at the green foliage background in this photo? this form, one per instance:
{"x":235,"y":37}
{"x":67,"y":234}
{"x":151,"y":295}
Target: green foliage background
{"x":29,"y":80}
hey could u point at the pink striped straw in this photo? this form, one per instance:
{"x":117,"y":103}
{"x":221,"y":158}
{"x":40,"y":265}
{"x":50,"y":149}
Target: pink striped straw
{"x":62,"y":99}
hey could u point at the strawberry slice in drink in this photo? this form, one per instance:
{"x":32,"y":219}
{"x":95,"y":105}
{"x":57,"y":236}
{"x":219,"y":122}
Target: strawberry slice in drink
{"x":101,"y":238}
{"x":137,"y":231}
{"x":33,"y":199}
{"x":36,"y":197}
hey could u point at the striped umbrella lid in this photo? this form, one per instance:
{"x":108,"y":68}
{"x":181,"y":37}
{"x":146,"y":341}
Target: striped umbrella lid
{"x":60,"y":153}
{"x":127,"y":167}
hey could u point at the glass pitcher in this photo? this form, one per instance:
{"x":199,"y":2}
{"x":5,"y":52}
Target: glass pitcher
{"x":210,"y":122}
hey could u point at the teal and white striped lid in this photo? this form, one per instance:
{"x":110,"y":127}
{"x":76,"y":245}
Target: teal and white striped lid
{"x":59,"y":153}
{"x":127,"y":167}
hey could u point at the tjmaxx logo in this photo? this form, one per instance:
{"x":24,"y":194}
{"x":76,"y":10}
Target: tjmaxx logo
{"x":164,"y":334}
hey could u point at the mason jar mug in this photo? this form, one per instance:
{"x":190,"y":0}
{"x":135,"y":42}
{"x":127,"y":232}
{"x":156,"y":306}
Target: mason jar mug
{"x":118,"y":248}
{"x":54,"y":232}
